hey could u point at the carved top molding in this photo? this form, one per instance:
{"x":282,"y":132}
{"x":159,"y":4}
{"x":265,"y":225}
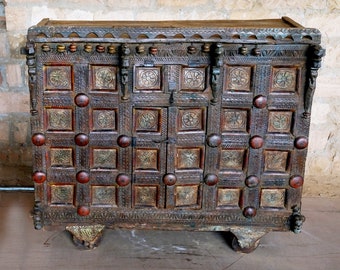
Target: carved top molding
{"x":282,"y":30}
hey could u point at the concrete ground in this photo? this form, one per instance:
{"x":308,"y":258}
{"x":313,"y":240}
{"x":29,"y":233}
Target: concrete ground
{"x":22,"y":247}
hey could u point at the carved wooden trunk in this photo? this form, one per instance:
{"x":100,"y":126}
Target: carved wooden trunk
{"x":192,"y":125}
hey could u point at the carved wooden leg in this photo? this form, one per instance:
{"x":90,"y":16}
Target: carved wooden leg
{"x":246,"y":239}
{"x":87,"y":237}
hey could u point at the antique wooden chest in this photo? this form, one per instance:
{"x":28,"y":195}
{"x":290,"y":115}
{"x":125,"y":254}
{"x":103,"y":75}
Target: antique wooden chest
{"x":181,"y":125}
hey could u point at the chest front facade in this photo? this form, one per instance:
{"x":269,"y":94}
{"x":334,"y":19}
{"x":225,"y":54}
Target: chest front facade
{"x":199,"y":135}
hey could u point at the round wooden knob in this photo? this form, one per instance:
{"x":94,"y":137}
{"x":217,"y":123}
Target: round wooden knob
{"x":123,"y":180}
{"x":206,"y":48}
{"x":214,"y":140}
{"x":252,"y":181}
{"x":38,"y":139}
{"x":153,"y":50}
{"x":169,"y":179}
{"x":45,"y":47}
{"x":82,"y":139}
{"x":100,"y":48}
{"x":192,"y":49}
{"x":88,"y":48}
{"x":39,"y":177}
{"x":111,"y":49}
{"x":140,"y":49}
{"x":301,"y":142}
{"x":83,"y":177}
{"x":124,"y":141}
{"x":81,"y":100}
{"x":256,"y":51}
{"x":243,"y":50}
{"x":73,"y":47}
{"x":211,"y":179}
{"x":83,"y":211}
{"x":61,"y":48}
{"x":260,"y":102}
{"x":256,"y":142}
{"x":296,"y":181}
{"x":249,"y":212}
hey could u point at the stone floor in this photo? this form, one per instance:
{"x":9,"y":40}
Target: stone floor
{"x":22,"y":247}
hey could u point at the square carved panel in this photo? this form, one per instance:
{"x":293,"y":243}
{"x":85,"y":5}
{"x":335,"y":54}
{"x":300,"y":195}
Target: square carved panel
{"x":279,"y":121}
{"x":59,"y":119}
{"x":104,"y":195}
{"x":238,"y":78}
{"x":191,"y":119}
{"x":61,"y":157}
{"x":147,"y":120}
{"x":58,"y":78}
{"x":104,"y":77}
{"x":232,"y":159}
{"x":148,"y":78}
{"x":189,"y":158}
{"x":228,"y":197}
{"x":273,"y":198}
{"x":62,"y":194}
{"x":275,"y":161}
{"x":104,"y":158}
{"x":146,"y":196}
{"x":187,"y":195}
{"x":193,"y":79}
{"x":284,"y":79}
{"x":146,"y":159}
{"x":104,"y":120}
{"x":234,"y":120}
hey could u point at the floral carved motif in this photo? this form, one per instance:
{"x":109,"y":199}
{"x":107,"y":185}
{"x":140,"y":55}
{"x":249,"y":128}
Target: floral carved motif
{"x":284,"y":79}
{"x":239,"y":78}
{"x":148,"y":78}
{"x":193,"y":78}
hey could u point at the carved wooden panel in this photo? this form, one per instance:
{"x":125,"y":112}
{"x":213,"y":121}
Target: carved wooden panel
{"x":146,"y":159}
{"x":148,"y":78}
{"x":147,"y":120}
{"x":275,"y":161}
{"x":232,"y":159}
{"x":284,"y":79}
{"x":104,"y":119}
{"x":193,"y":79}
{"x":228,"y":197}
{"x":239,"y":78}
{"x":189,"y":158}
{"x":104,"y":158}
{"x":104,"y":77}
{"x":61,"y":157}
{"x":190,"y":119}
{"x":280,"y":121}
{"x":234,"y":120}
{"x":187,"y":195}
{"x":58,"y":78}
{"x":104,"y":195}
{"x":273,"y":198}
{"x":62,"y":194}
{"x":59,"y":119}
{"x":145,"y":196}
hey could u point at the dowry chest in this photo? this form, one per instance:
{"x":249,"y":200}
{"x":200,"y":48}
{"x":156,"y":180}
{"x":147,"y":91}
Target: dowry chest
{"x":174,"y":125}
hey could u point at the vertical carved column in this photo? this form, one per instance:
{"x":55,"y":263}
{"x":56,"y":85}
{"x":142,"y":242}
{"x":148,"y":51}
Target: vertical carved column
{"x":125,"y":64}
{"x":29,"y":50}
{"x":315,"y":55}
{"x":217,"y":63}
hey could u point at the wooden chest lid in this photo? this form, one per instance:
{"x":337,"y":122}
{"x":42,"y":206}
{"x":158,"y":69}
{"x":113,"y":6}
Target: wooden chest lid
{"x":257,"y":31}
